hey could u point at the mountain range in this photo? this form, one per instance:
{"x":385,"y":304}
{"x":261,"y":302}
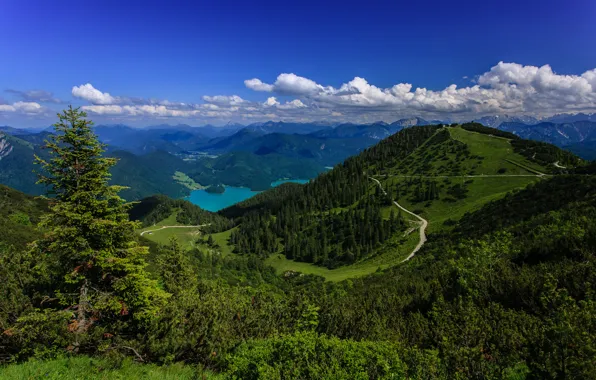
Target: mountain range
{"x":254,"y":155}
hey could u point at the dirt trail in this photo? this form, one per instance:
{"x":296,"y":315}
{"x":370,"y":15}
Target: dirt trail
{"x":423,"y":223}
{"x":164,"y":227}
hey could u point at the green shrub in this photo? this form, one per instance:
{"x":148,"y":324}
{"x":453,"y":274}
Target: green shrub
{"x":310,"y":356}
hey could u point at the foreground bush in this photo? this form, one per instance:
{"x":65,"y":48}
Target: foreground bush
{"x":307,"y":355}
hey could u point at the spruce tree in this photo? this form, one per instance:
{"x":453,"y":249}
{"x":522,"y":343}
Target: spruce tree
{"x":89,"y":243}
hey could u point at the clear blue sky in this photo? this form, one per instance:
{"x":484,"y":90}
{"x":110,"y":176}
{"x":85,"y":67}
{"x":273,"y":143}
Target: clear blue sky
{"x":182,"y":51}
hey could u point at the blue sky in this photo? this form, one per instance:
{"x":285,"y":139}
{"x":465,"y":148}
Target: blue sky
{"x":169,"y":62}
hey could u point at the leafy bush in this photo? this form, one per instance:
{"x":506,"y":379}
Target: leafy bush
{"x":307,"y":355}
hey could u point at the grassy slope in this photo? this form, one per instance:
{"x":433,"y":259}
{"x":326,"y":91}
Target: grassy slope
{"x":83,"y":368}
{"x":497,"y":149}
{"x":184,"y":180}
{"x":19,"y":215}
{"x":186,"y":236}
{"x":392,"y":256}
{"x":496,"y":152}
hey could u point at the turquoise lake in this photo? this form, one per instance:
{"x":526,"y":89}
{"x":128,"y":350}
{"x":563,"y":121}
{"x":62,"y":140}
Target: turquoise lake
{"x":232,"y":195}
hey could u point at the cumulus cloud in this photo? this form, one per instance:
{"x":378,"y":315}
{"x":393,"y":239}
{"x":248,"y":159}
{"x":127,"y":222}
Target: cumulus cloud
{"x":294,"y":104}
{"x":506,"y":88}
{"x":224,"y":101}
{"x":214,"y":107}
{"x":40,"y":96}
{"x":30,"y":108}
{"x":271,"y":101}
{"x":288,"y":84}
{"x":91,"y":94}
{"x":257,"y":85}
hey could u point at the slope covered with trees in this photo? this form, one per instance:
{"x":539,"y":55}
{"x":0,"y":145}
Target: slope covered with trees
{"x":507,"y":291}
{"x":20,"y":214}
{"x":335,"y":219}
{"x":341,"y":217}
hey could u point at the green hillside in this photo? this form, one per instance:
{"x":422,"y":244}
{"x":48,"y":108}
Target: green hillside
{"x":16,"y":165}
{"x":251,"y":170}
{"x":503,"y":286}
{"x":19,"y":215}
{"x":324,"y":228}
{"x":440,"y":173}
{"x":158,"y":172}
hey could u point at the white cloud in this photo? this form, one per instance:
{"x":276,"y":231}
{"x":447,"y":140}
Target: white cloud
{"x":93,"y":95}
{"x":104,"y":110}
{"x":22,"y":107}
{"x":507,"y":88}
{"x":224,"y":101}
{"x":294,"y":104}
{"x":271,"y":101}
{"x":288,"y":84}
{"x":257,"y":85}
{"x":295,"y":85}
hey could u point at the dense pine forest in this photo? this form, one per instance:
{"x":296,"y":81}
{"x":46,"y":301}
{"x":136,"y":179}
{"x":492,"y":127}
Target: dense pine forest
{"x":506,"y":290}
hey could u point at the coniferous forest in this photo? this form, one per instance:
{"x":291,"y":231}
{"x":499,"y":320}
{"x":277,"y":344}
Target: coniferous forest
{"x":506,"y":291}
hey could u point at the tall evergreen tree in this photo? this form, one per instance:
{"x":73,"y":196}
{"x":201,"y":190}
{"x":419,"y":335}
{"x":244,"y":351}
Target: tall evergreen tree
{"x":89,"y":243}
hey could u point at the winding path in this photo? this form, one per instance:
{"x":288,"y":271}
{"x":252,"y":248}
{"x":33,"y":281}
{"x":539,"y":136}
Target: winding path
{"x":164,"y":227}
{"x":423,"y":223}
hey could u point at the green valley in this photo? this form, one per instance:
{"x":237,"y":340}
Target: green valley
{"x":441,"y":252}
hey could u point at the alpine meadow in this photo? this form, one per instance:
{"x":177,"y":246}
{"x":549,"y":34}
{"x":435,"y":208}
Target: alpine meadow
{"x":195,"y":191}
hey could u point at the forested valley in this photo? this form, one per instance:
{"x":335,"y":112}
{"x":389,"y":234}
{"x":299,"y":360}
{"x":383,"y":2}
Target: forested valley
{"x":505,"y":289}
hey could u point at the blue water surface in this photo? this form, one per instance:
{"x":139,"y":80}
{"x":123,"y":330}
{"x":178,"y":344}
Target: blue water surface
{"x":215,"y":202}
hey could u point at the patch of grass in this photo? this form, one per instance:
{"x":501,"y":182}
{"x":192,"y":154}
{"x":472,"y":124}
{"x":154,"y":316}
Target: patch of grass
{"x":221,"y":239}
{"x":83,"y":368}
{"x":497,"y":153}
{"x":480,"y":191}
{"x":389,"y":255}
{"x":185,"y":236}
{"x":186,"y":181}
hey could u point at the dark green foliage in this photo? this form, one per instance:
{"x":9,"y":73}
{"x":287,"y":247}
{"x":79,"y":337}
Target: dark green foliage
{"x":271,"y":199}
{"x":519,"y":294}
{"x":310,"y":356}
{"x":94,"y":269}
{"x":309,"y":228}
{"x":252,"y":170}
{"x":554,"y":194}
{"x":545,"y":154}
{"x":148,"y":174}
{"x":158,"y":207}
{"x":19,"y":214}
{"x":477,"y":127}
